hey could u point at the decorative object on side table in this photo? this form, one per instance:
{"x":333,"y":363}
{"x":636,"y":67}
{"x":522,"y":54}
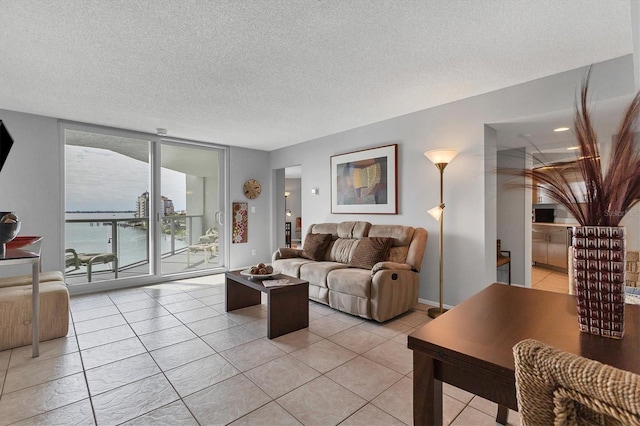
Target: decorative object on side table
{"x":440,"y":157}
{"x":599,"y":243}
{"x":260,"y":271}
{"x":9,"y":228}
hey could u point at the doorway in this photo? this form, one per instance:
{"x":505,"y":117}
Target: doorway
{"x":293,"y":206}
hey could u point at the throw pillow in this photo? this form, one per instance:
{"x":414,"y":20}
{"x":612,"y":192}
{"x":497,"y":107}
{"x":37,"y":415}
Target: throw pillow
{"x":315,"y":245}
{"x":370,"y":250}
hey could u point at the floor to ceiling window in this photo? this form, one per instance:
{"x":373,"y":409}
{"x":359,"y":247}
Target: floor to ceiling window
{"x":140,"y":207}
{"x":190,"y":187}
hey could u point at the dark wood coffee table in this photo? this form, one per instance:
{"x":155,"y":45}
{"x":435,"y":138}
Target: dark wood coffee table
{"x":287,"y":306}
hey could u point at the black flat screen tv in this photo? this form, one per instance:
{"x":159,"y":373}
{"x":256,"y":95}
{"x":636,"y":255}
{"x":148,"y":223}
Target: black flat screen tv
{"x":6,"y":142}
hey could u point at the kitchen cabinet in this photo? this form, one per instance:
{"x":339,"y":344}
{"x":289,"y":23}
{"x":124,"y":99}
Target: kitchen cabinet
{"x":539,"y":196}
{"x":570,"y":170}
{"x":549,"y":245}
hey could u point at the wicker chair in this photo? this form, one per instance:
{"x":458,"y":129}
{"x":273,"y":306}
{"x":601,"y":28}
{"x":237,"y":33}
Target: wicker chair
{"x":555,"y":387}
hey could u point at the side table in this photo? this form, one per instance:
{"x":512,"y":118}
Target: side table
{"x":287,"y":306}
{"x":26,"y":251}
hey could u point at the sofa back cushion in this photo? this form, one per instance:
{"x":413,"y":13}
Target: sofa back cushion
{"x":345,"y":236}
{"x":342,"y":250}
{"x":407,"y":246}
{"x":369,"y":251}
{"x":353,"y":230}
{"x":315,"y":246}
{"x":401,"y":238}
{"x":324,"y":228}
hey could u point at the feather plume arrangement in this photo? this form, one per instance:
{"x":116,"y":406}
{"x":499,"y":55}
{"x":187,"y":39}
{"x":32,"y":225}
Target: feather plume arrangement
{"x":607,"y":197}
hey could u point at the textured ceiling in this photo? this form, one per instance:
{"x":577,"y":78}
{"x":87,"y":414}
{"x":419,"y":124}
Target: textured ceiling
{"x":268,"y":74}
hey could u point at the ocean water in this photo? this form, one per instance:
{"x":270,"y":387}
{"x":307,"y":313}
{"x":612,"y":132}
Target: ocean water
{"x":96,"y":237}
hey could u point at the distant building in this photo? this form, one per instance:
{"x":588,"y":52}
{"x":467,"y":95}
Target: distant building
{"x":142,"y":205}
{"x":167,"y":206}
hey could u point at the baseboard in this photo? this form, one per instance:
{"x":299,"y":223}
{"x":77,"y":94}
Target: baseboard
{"x":445,"y":306}
{"x":434,"y":304}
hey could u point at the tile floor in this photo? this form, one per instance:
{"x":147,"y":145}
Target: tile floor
{"x":546,"y":279}
{"x":169,"y":354}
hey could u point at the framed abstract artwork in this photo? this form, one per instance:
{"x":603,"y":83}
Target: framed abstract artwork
{"x":239,"y":233}
{"x":365,"y":182}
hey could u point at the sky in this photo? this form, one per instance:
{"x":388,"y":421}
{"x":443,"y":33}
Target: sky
{"x":103,"y":180}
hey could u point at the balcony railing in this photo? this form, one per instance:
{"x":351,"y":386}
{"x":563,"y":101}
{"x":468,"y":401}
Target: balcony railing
{"x":128,"y":238}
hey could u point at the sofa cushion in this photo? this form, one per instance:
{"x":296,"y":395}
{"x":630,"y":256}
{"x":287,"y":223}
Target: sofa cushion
{"x":401,"y":235}
{"x":355,"y":230}
{"x":342,"y":250}
{"x":369,"y":251}
{"x":316,"y":272}
{"x":290,"y":266}
{"x":27,"y":280}
{"x":356,"y":282}
{"x":315,"y":246}
{"x":16,"y":313}
{"x":288,"y":253}
{"x":324,"y":228}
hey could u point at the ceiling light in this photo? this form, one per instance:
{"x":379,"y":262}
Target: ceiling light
{"x":161,"y":132}
{"x":561,"y":129}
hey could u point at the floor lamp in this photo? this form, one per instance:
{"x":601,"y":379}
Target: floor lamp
{"x":439,"y":157}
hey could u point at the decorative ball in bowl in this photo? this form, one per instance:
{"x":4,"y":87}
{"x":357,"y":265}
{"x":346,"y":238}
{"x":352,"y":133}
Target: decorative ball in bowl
{"x":9,"y":228}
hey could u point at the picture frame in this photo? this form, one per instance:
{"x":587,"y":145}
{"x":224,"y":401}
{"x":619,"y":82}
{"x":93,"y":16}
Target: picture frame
{"x":366,"y":181}
{"x":240,"y":223}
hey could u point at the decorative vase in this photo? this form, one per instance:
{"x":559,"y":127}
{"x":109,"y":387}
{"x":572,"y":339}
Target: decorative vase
{"x":598,"y":272}
{"x":8,"y":232}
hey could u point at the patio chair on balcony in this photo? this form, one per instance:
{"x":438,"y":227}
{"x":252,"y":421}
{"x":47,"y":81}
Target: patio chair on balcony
{"x":211,"y":236}
{"x":76,"y":260}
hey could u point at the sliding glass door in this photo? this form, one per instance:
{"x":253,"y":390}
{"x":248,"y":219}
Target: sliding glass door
{"x":140,"y":207}
{"x":191,"y":207}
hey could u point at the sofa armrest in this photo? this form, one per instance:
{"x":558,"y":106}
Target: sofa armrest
{"x":286,"y":253}
{"x":390,"y":265}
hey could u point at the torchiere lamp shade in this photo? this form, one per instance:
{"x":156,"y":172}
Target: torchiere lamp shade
{"x":441,"y":156}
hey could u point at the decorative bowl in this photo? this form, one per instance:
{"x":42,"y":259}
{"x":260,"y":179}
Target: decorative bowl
{"x":247,"y":273}
{"x":8,"y":232}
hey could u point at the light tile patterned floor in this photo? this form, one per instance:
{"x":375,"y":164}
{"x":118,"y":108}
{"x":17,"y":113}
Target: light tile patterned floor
{"x":548,"y":280}
{"x":169,"y":354}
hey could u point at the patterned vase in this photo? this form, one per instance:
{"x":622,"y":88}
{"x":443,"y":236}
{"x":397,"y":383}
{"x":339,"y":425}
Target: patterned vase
{"x":598,"y":273}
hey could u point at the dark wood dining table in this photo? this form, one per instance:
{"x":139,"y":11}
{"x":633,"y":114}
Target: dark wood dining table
{"x":470,"y":346}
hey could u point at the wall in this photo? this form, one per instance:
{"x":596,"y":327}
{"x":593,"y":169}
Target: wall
{"x":512,"y":213}
{"x":469,"y":265}
{"x":30,"y":182}
{"x":247,"y":164}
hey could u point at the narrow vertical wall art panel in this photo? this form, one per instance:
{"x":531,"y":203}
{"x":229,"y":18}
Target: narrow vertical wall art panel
{"x":240,"y":223}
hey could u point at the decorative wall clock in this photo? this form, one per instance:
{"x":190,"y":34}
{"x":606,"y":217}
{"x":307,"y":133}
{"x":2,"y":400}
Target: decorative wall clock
{"x":252,"y":189}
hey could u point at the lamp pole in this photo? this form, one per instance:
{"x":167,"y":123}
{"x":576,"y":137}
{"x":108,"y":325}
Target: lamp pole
{"x":441,"y":158}
{"x":436,"y":312}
